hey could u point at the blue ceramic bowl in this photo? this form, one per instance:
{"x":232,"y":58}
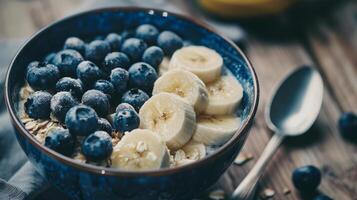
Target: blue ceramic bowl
{"x":84,"y":181}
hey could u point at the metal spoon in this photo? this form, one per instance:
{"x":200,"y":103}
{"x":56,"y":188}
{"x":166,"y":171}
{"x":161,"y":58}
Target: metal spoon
{"x":291,"y":111}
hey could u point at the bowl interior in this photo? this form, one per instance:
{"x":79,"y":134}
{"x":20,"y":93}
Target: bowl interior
{"x":90,"y":24}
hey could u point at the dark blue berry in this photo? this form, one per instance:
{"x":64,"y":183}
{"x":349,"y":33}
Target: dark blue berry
{"x":153,"y":56}
{"x":126,"y":120}
{"x":60,"y":140}
{"x":306,"y":178}
{"x":42,"y":76}
{"x":124,"y":106}
{"x":135,"y":97}
{"x":75,"y":44}
{"x":114,"y":41}
{"x":169,"y":42}
{"x":97,"y":100}
{"x":61,"y":103}
{"x":115,"y":60}
{"x":104,"y":125}
{"x":31,"y":65}
{"x":88,"y":72}
{"x":49,"y":58}
{"x":348,"y":125}
{"x":97,"y":50}
{"x":119,"y":78}
{"x":37,"y":105}
{"x":142,"y":76}
{"x":105,"y":86}
{"x":127,"y":34}
{"x":82,"y":120}
{"x":67,"y":62}
{"x":70,"y":85}
{"x":97,"y":146}
{"x":147,"y":32}
{"x":322,"y":197}
{"x":134,"y":48}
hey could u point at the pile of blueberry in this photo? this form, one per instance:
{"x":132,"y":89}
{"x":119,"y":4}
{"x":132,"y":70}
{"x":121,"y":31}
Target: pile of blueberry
{"x":84,"y":82}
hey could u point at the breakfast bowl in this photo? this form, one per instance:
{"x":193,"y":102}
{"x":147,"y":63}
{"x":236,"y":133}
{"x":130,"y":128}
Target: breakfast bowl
{"x":86,"y":181}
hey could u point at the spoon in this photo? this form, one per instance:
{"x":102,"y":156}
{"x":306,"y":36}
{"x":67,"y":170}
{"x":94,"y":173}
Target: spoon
{"x":291,"y":111}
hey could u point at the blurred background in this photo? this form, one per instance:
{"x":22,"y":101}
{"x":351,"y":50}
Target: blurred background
{"x":277,"y":36}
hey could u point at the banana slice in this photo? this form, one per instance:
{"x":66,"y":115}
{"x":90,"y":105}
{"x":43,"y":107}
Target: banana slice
{"x":186,"y":85}
{"x":169,"y":116}
{"x":204,"y":62}
{"x":224,"y":96}
{"x":215,"y":130}
{"x":164,"y":66}
{"x":189,"y":153}
{"x":140,"y":150}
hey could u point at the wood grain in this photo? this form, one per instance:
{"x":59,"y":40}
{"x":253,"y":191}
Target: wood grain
{"x":330,"y":44}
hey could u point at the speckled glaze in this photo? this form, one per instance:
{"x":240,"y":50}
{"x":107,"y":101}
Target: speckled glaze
{"x":83,"y":181}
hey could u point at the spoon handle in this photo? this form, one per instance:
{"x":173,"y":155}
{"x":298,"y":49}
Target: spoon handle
{"x":246,"y":188}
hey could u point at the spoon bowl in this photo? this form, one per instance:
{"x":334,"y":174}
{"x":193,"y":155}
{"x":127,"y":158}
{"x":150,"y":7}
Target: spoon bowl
{"x":296,"y":102}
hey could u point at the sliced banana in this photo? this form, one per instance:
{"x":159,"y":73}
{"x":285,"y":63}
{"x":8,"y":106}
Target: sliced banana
{"x":186,"y":85}
{"x":140,"y":150}
{"x":169,"y":116}
{"x":215,"y":130}
{"x":224,"y":96}
{"x":189,"y":153}
{"x":164,"y":66}
{"x":206,"y":63}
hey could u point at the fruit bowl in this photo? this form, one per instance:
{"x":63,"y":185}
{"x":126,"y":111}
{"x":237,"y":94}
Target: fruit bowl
{"x":85,"y":181}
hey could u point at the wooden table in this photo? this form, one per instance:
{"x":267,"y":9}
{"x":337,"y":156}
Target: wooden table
{"x":327,"y":41}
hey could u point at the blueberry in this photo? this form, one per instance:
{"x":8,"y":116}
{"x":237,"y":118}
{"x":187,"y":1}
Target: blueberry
{"x":32,"y":65}
{"x":153,"y":56}
{"x":49,"y":58}
{"x":348,"y":125}
{"x":322,"y":197}
{"x":124,"y":106}
{"x":104,"y":125}
{"x":60,"y":140}
{"x":115,"y":60}
{"x":135,"y":97}
{"x":142,"y":76}
{"x":97,"y":50}
{"x":119,"y":78}
{"x":134,"y":48}
{"x":127,"y":34}
{"x":75,"y":44}
{"x":61,"y":103}
{"x":81,"y":120}
{"x":70,"y":85}
{"x":114,"y":41}
{"x":97,"y":100}
{"x":37,"y":105}
{"x":88,"y":72}
{"x":147,"y":32}
{"x":126,"y":120}
{"x":97,"y":146}
{"x":306,"y":178}
{"x":67,"y":62}
{"x":105,"y":86}
{"x":42,"y":76}
{"x":169,"y":42}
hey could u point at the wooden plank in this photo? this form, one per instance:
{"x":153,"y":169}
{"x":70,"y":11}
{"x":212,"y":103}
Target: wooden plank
{"x":333,"y":44}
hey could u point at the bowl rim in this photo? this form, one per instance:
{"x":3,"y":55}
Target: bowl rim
{"x":99,"y":170}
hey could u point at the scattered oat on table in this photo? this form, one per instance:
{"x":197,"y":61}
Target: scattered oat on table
{"x":217,"y":194}
{"x":267,"y":193}
{"x":242,"y":158}
{"x":286,"y":191}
